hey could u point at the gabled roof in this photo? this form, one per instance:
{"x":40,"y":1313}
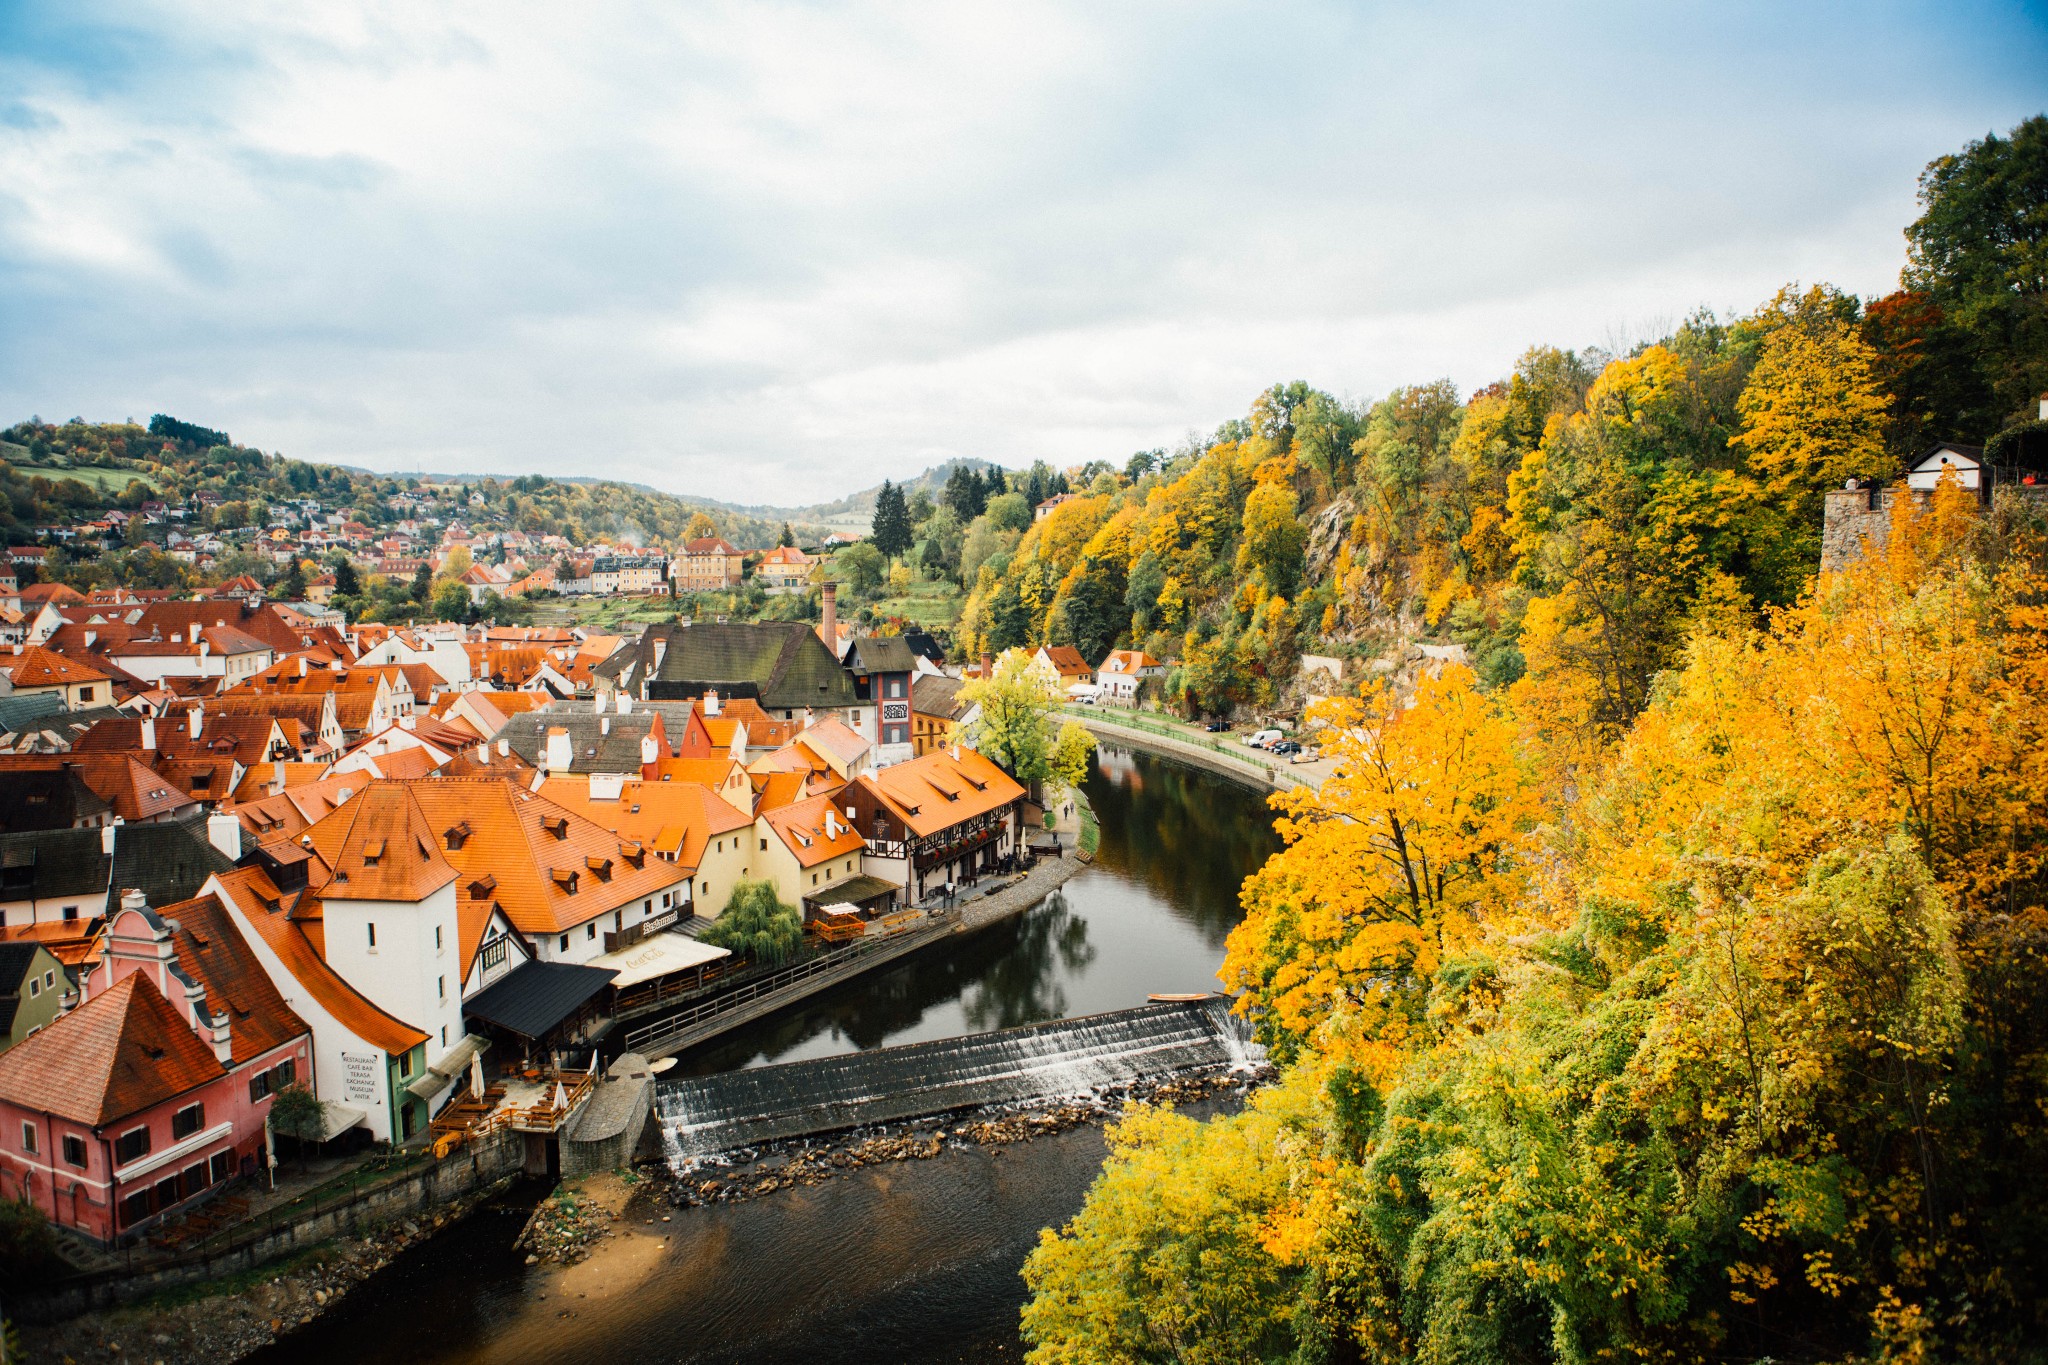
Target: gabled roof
{"x":597,"y":744}
{"x":880,"y":654}
{"x":832,"y":738}
{"x":121,"y":1052}
{"x":783,"y":665}
{"x":709,"y":545}
{"x":803,"y":829}
{"x":56,"y":799}
{"x":39,"y":667}
{"x":1067,"y":661}
{"x":938,"y":698}
{"x":290,"y":812}
{"x":670,"y":818}
{"x":1127,"y":661}
{"x":938,"y":791}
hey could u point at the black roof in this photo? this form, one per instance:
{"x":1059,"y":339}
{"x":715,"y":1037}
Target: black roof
{"x":537,"y":996}
{"x":932,"y":696}
{"x":16,"y":712}
{"x":168,"y":862}
{"x":55,"y":799}
{"x":15,"y":961}
{"x":925,"y":645}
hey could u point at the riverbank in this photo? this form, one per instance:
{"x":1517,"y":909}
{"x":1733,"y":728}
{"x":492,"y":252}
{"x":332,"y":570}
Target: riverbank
{"x":218,"y":1321}
{"x":1247,"y":767}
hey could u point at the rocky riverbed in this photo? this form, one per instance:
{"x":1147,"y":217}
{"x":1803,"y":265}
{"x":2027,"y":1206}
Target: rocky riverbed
{"x":215,"y":1323}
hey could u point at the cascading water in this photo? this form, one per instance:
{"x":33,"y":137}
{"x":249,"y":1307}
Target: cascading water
{"x":703,"y":1115}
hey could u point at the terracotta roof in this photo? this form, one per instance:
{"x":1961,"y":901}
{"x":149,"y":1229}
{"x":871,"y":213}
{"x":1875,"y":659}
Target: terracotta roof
{"x":213,"y":952}
{"x":802,"y":829}
{"x":709,"y":545}
{"x":264,"y":908}
{"x":121,"y":1052}
{"x":256,"y":783}
{"x":1067,"y":661}
{"x":671,"y":818}
{"x":39,"y":667}
{"x":834,"y":739}
{"x":1128,"y":661}
{"x":381,"y":847}
{"x":937,"y":791}
{"x":291,"y":811}
{"x":553,"y":868}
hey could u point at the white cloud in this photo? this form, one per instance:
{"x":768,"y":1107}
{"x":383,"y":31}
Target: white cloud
{"x":779,"y":250}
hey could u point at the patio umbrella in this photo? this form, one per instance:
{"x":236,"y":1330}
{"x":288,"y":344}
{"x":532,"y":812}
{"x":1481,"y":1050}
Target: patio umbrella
{"x":561,"y":1097}
{"x":476,"y":1075}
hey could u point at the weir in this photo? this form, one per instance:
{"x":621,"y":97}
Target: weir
{"x":703,"y":1115}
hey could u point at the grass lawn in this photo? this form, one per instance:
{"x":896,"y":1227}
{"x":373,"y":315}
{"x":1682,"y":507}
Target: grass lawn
{"x":927,"y":602}
{"x":102,"y":480}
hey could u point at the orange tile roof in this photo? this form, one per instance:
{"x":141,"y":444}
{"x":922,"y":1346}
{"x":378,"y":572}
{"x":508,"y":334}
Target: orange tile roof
{"x":534,"y":849}
{"x":39,"y":667}
{"x":291,"y":811}
{"x":257,"y":782}
{"x":669,"y":817}
{"x":802,"y":829}
{"x":72,"y":943}
{"x":264,"y":907}
{"x":1067,"y":661}
{"x":381,"y":847}
{"x":937,"y":791}
{"x":121,"y":1052}
{"x":134,"y":790}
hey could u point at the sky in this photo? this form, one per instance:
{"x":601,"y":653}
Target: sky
{"x":774,"y":252}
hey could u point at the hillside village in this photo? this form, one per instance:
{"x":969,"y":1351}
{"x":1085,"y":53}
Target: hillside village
{"x":423,"y":873}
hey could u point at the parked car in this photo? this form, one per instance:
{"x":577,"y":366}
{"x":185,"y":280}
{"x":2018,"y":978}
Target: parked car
{"x":1283,"y":746}
{"x":1216,"y":727}
{"x":1305,"y":756}
{"x":1259,"y":739}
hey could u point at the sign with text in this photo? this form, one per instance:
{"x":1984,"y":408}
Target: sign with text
{"x":362,"y":1076}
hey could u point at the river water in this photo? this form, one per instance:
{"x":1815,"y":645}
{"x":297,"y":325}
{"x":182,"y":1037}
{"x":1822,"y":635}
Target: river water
{"x":912,"y":1263}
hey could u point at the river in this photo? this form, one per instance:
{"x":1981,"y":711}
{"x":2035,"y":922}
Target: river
{"x":905,"y":1263}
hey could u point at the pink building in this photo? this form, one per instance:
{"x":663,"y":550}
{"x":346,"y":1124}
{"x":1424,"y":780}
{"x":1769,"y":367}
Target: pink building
{"x":156,"y":1089}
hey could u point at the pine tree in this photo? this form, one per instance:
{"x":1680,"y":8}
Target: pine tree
{"x":965,"y":494}
{"x":346,"y":584}
{"x":787,"y":538}
{"x":892,"y":531}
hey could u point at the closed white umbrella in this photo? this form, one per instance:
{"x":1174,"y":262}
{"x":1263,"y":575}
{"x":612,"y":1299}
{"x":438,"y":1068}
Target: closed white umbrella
{"x":561,"y":1097}
{"x":476,"y":1075}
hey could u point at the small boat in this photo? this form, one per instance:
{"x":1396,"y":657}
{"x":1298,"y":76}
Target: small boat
{"x":1166,"y":999}
{"x":660,"y":1065}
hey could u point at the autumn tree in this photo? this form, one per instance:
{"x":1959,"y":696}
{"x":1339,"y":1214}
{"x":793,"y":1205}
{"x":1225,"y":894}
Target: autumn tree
{"x":702,"y":527}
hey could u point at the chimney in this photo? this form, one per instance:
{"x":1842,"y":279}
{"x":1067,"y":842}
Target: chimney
{"x":107,"y":840}
{"x":131,"y":899}
{"x":988,"y":666}
{"x":302,"y":665}
{"x":559,"y":751}
{"x":149,"y":734}
{"x":828,"y":596}
{"x":625,"y":704}
{"x":711,"y":701}
{"x":224,"y":832}
{"x":831,"y":824}
{"x":504,"y":748}
{"x":90,"y":636}
{"x":483,"y":751}
{"x":223,"y":1048}
{"x":604,"y":725}
{"x":198,"y":722}
{"x":650,"y":754}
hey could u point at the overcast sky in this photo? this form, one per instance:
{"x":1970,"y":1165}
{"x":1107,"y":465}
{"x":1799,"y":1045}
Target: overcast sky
{"x":774,"y":252}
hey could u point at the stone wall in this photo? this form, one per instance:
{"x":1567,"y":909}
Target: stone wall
{"x":1854,"y":516}
{"x":613,"y":1123}
{"x":474,"y":1167}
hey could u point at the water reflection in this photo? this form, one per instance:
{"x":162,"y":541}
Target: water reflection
{"x":1150,"y":916}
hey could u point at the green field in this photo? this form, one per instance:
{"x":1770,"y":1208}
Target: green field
{"x":102,"y":480}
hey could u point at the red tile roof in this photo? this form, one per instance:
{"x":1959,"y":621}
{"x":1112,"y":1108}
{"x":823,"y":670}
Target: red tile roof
{"x":121,"y":1052}
{"x":213,"y":952}
{"x":39,"y":667}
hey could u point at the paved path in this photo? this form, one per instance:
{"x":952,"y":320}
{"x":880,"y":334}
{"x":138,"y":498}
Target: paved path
{"x":1222,"y":754}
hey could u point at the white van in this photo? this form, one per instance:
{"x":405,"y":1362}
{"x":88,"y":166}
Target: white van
{"x":1259,"y":739}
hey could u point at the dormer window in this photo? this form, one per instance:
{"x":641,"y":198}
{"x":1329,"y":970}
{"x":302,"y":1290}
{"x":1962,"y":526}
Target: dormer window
{"x":482,"y":887}
{"x":373,"y":852}
{"x":556,"y":825}
{"x":601,"y":866}
{"x":457,"y":835}
{"x":566,"y":878}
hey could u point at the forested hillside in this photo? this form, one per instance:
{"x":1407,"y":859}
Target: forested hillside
{"x":1668,"y":987}
{"x":1567,"y":522}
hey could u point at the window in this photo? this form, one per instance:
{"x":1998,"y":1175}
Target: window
{"x":494,"y":952}
{"x":194,"y":1179}
{"x":441,"y":987}
{"x":764,"y":845}
{"x":373,"y":934}
{"x":590,"y":929}
{"x":404,"y":1066}
{"x":49,"y":978}
{"x":223,"y":1166}
{"x":188,"y":1121}
{"x":131,"y":1145}
{"x":259,"y":1087}
{"x":444,"y":1035}
{"x":74,"y":1151}
{"x":28,"y":1137}
{"x":135,"y":1208}
{"x":85,"y":694}
{"x":563,"y":946}
{"x":437,"y":938}
{"x":647,"y":906}
{"x":71,"y":914}
{"x":35,"y":988}
{"x":284,"y":1073}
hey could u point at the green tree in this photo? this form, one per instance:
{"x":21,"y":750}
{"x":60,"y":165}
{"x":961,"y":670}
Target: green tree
{"x":451,"y":601}
{"x":787,"y":538}
{"x":423,"y":584}
{"x":756,"y":925}
{"x":346,"y":583}
{"x":296,"y":1113}
{"x":861,"y":565}
{"x":1980,"y":250}
{"x":1016,"y":727}
{"x":965,"y":494}
{"x":892,"y":526}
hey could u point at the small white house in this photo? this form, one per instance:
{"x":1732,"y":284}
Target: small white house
{"x":1123,"y":671}
{"x":1967,"y":463}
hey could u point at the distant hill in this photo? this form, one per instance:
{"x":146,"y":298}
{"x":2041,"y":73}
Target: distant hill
{"x":858,"y":509}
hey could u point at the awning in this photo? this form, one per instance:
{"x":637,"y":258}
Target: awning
{"x":537,"y":996}
{"x":336,"y":1119}
{"x":853,"y":891}
{"x":448,"y":1068}
{"x":659,"y":955}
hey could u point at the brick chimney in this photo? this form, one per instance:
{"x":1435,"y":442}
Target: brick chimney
{"x":828,"y":596}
